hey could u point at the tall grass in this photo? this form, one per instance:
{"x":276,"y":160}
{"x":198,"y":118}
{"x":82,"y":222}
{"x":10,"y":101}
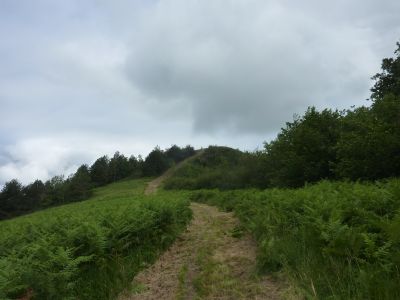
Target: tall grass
{"x":334,"y":240}
{"x":92,"y":249}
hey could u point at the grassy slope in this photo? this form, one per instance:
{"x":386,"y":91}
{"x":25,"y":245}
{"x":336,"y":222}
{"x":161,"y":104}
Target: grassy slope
{"x":91,"y":249}
{"x":216,"y":167}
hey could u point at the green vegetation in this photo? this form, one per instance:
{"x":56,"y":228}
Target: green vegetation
{"x":219,"y":167}
{"x":91,"y":249}
{"x":334,"y":240}
{"x":16,"y":199}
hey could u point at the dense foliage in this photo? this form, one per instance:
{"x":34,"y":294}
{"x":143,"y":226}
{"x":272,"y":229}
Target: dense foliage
{"x":361,"y":143}
{"x":335,"y":240}
{"x":16,"y":199}
{"x":304,"y":151}
{"x":91,"y":249}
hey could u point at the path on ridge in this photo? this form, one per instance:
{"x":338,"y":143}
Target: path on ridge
{"x":155,"y":184}
{"x":212,"y":259}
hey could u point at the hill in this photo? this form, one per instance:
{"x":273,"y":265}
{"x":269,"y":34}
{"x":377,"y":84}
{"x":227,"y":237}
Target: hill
{"x":218,"y":167}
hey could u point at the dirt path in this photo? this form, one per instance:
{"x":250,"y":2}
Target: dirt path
{"x":213,"y":259}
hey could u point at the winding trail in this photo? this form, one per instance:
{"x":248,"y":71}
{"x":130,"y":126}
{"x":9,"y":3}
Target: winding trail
{"x":213,"y":259}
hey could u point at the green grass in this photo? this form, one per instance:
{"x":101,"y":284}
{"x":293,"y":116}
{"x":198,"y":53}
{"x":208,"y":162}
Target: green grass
{"x":332,"y":240}
{"x":91,"y":249}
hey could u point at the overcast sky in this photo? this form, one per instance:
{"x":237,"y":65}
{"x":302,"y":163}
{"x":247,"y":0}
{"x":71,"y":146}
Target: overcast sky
{"x":79,"y":79}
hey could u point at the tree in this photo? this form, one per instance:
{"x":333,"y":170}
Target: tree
{"x":79,"y":186}
{"x":388,"y":81}
{"x":135,"y":169}
{"x":99,"y":171}
{"x":188,"y":151}
{"x":54,"y":191}
{"x":304,"y":151}
{"x":369,"y":147}
{"x":119,"y":167}
{"x":355,"y":150}
{"x":11,"y":198}
{"x":155,"y":163}
{"x":34,"y":194}
{"x":176,"y":154}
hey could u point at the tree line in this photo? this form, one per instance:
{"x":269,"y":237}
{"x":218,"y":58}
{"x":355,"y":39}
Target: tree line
{"x":16,"y":199}
{"x":361,"y":143}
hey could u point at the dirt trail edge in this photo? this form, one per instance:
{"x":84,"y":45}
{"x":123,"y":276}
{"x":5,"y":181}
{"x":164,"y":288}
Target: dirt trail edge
{"x":212,"y":259}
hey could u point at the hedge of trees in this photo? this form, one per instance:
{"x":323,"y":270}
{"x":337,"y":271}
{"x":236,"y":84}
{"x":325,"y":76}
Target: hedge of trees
{"x":358,"y":144}
{"x":16,"y":199}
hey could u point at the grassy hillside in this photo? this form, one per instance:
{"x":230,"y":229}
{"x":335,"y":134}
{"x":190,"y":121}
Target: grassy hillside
{"x":334,"y":240}
{"x":91,"y":249}
{"x":217,"y":167}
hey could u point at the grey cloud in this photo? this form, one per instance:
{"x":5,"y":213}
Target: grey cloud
{"x":79,"y":79}
{"x":251,"y":65}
